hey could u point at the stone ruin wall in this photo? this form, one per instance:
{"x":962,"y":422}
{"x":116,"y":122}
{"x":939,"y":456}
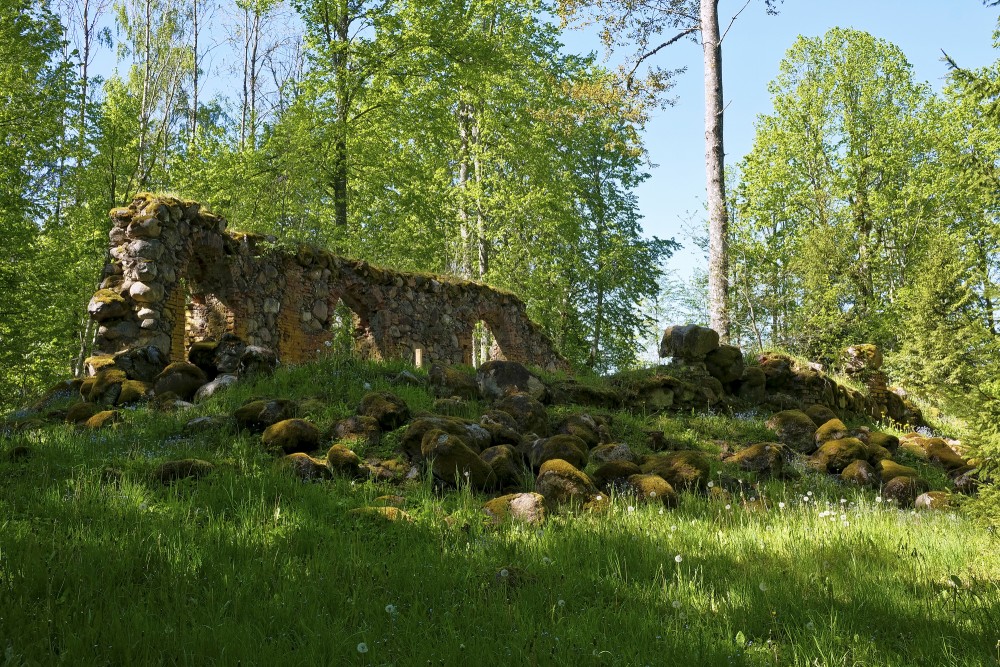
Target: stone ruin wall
{"x":175,"y":276}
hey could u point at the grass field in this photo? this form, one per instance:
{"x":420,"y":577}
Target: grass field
{"x":99,"y":564}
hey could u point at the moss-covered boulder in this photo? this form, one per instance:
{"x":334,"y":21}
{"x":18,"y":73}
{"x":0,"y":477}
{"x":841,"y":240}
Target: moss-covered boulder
{"x":612,"y":451}
{"x":566,"y":447}
{"x":171,"y":471}
{"x":257,"y":415}
{"x":446,"y":381}
{"x":134,"y":392}
{"x":751,"y":386}
{"x":836,"y":455}
{"x":358,"y":429}
{"x":505,"y":463}
{"x":79,"y":413}
{"x":304,"y":467}
{"x":933,"y":500}
{"x":888,"y":469}
{"x":582,"y":426}
{"x":389,"y":410}
{"x":103,"y":419}
{"x":455,"y":463}
{"x":342,"y":461}
{"x":560,"y":482}
{"x":820,"y":414}
{"x":207,"y":424}
{"x":884,"y":440}
{"x":904,"y":490}
{"x":497,"y":379}
{"x":940,"y":453}
{"x":202,"y":355}
{"x":966,"y":480}
{"x":794,"y":429}
{"x":613,"y":474}
{"x":181,"y":378}
{"x":689,"y":342}
{"x":290,"y":436}
{"x":687,"y":470}
{"x":501,"y":427}
{"x":877,"y":453}
{"x":107,"y":386}
{"x":725,"y":363}
{"x":831,"y":430}
{"x":474,"y":435}
{"x":861,"y":473}
{"x":389,"y":514}
{"x":593,"y":394}
{"x":107,"y":304}
{"x":649,"y":488}
{"x":520,"y":507}
{"x":528,"y":413}
{"x":763,"y":458}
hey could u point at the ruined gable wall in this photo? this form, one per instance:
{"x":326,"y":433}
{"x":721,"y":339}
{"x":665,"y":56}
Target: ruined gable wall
{"x":166,"y":253}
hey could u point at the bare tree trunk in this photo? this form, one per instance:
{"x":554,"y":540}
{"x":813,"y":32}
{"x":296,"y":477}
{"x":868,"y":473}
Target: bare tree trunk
{"x":465,"y":251}
{"x":194,"y":71}
{"x":145,"y":114}
{"x":715,"y":157}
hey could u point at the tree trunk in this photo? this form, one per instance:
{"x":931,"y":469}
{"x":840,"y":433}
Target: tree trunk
{"x":465,"y":251}
{"x":715,"y":157}
{"x":194,"y":71}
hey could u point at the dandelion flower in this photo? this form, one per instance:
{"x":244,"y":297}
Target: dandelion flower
{"x":598,"y":497}
{"x":390,"y":609}
{"x":678,"y":558}
{"x":762,"y":586}
{"x":673,"y":528}
{"x":362,"y":648}
{"x":729,"y":507}
{"x":504,"y":573}
{"x":843,"y":500}
{"x":561,"y":603}
{"x":810,"y":625}
{"x":631,"y":509}
{"x":781,"y":506}
{"x":711,"y":484}
{"x":809,"y":493}
{"x":878,"y":499}
{"x":677,"y":604}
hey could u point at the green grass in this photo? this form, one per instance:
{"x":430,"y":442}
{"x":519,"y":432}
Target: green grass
{"x":248,"y":566}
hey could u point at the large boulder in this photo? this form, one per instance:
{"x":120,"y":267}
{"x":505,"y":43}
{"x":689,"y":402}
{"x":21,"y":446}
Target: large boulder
{"x":181,"y":378}
{"x":566,"y":447}
{"x":940,"y":453}
{"x":650,"y":488}
{"x":584,"y":427}
{"x":820,"y":414}
{"x":256,"y":360}
{"x":454,"y":462}
{"x":905,"y":490}
{"x":259,"y":414}
{"x":202,"y":355}
{"x":359,"y":429}
{"x":889,"y":469}
{"x":933,"y":500}
{"x":831,"y":430}
{"x":505,"y":464}
{"x":497,"y":379}
{"x":389,"y":410}
{"x":612,"y":451}
{"x":501,"y":426}
{"x":213,"y":387}
{"x":449,"y":381}
{"x":689,"y":342}
{"x":305,"y":467}
{"x":562,"y":483}
{"x":342,"y":461}
{"x":528,"y":413}
{"x":171,"y":471}
{"x":725,"y":364}
{"x":836,"y":455}
{"x":686,"y":470}
{"x":860,"y":473}
{"x":141,"y":363}
{"x":290,"y":436}
{"x":228,"y":353}
{"x":107,"y":386}
{"x":614,"y":473}
{"x":520,"y":507}
{"x":107,"y":304}
{"x":103,"y":419}
{"x":763,"y":458}
{"x":472,"y":434}
{"x":794,"y":429}
{"x":885,"y":440}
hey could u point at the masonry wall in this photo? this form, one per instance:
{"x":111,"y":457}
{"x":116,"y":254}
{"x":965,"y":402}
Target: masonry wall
{"x":175,"y":276}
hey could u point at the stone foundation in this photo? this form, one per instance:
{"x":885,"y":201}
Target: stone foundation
{"x":176,"y":276}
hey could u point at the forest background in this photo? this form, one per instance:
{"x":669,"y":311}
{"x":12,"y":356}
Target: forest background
{"x":464,"y":138}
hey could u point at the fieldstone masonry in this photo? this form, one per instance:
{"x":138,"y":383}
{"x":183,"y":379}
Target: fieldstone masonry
{"x":175,"y":276}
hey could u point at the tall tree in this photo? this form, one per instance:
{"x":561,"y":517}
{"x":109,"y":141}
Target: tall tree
{"x":641,"y":26}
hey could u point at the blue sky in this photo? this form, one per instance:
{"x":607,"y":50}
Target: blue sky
{"x":751,"y":53}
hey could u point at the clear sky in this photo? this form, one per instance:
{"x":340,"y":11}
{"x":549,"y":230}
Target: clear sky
{"x":751,"y":53}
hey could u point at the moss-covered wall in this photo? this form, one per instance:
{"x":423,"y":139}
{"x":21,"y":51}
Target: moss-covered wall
{"x":177,"y":269}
